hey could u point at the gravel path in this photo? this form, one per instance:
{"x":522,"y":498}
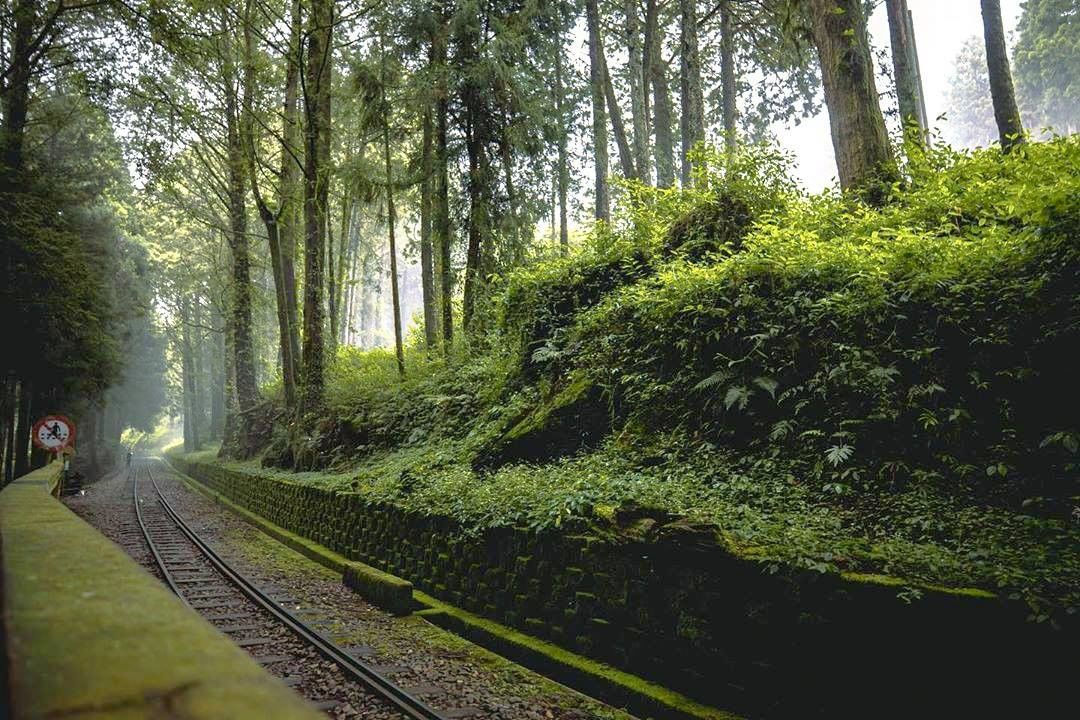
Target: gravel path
{"x":450,"y":674}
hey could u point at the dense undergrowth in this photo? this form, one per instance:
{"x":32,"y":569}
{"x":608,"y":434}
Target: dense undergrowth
{"x":829,"y":384}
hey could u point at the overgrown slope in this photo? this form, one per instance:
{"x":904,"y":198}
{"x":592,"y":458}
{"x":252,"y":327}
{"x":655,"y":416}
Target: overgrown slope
{"x":830,"y":385}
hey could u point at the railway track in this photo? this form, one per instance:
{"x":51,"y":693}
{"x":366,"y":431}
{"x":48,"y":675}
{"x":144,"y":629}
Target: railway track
{"x":253,"y":617}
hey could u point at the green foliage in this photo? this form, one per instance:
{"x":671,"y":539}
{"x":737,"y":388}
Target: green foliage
{"x":852,"y":388}
{"x":1048,"y":62}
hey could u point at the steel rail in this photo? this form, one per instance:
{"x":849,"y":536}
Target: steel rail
{"x":149,"y":541}
{"x":401,"y":700}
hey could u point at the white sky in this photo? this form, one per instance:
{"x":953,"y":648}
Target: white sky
{"x":941,"y":27}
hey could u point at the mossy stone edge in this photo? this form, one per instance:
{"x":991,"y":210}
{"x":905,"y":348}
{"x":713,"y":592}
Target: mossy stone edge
{"x":89,"y":632}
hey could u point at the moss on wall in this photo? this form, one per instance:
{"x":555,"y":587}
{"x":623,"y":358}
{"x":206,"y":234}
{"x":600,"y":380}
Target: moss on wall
{"x":90,"y":634}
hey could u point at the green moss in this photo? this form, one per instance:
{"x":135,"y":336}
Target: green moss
{"x":887,"y":581}
{"x":90,"y":633}
{"x":539,"y":420}
{"x":605,"y":682}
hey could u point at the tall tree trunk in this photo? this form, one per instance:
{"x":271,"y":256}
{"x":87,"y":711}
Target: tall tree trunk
{"x":316,"y":180}
{"x":727,"y":76}
{"x":599,"y":120}
{"x":11,"y":415}
{"x":22,"y":429}
{"x":618,"y":128}
{"x":231,"y":421}
{"x":390,"y":214}
{"x":636,"y":71}
{"x":427,"y":277}
{"x":345,"y":249}
{"x":289,"y":190}
{"x":516,"y":249}
{"x":217,"y":385}
{"x":440,"y":228}
{"x":1002,"y":91}
{"x":476,"y":133}
{"x":271,"y":218}
{"x":662,"y":123}
{"x":331,"y":287}
{"x":187,"y":369}
{"x":906,"y":77}
{"x":335,"y":269}
{"x":861,"y":143}
{"x":692,"y":118}
{"x":478,"y":214}
{"x":562,"y":179}
{"x":243,"y":344}
{"x":16,"y":93}
{"x":198,"y":408}
{"x":7,"y":424}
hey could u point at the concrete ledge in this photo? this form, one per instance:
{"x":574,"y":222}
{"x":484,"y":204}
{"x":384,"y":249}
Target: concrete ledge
{"x":601,"y":681}
{"x":382,"y":589}
{"x":90,"y":634}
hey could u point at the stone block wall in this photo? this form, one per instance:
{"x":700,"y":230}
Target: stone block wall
{"x":693,"y":617}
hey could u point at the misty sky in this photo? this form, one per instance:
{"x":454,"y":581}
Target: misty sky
{"x":941,"y":27}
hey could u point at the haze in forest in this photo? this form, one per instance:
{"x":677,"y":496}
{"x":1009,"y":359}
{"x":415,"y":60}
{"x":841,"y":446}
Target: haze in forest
{"x":941,"y":29}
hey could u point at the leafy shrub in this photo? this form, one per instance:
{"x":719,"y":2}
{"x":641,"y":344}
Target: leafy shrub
{"x":873,"y":389}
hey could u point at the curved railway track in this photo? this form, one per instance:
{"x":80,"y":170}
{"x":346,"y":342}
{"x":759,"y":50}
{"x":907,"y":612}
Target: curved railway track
{"x":207,"y":584}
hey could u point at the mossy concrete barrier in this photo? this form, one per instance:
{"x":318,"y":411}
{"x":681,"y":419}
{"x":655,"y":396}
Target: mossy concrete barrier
{"x":380,"y":588}
{"x":729,"y":631}
{"x":89,"y":634}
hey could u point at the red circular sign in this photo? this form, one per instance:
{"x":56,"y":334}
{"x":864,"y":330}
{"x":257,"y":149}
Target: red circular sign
{"x":53,"y":433}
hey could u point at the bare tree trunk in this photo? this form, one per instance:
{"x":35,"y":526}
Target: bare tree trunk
{"x":618,"y":129}
{"x":229,"y":429}
{"x":727,"y":76}
{"x":662,"y":124}
{"x":331,"y":288}
{"x":516,"y":248}
{"x":479,"y":184}
{"x":906,"y":78}
{"x":441,"y":202}
{"x":336,"y":266}
{"x":16,"y":92}
{"x":390,"y":217}
{"x":217,"y":399}
{"x":7,"y":425}
{"x":284,"y":294}
{"x":197,"y":407}
{"x":562,"y":179}
{"x":636,"y":69}
{"x":477,"y":216}
{"x":187,"y":369}
{"x":599,"y":121}
{"x":289,"y":190}
{"x":692,"y":118}
{"x":12,"y":417}
{"x":427,"y":277}
{"x":246,"y":389}
{"x":22,"y":428}
{"x":1002,"y":91}
{"x":316,"y":181}
{"x":863,"y":155}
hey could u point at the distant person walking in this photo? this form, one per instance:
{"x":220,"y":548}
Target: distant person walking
{"x":129,"y":458}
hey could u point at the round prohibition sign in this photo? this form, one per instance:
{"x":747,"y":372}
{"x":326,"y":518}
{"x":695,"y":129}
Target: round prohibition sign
{"x":53,"y":433}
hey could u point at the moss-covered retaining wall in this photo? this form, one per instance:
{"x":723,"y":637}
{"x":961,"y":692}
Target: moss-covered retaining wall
{"x":89,"y":634}
{"x":685,"y":612}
